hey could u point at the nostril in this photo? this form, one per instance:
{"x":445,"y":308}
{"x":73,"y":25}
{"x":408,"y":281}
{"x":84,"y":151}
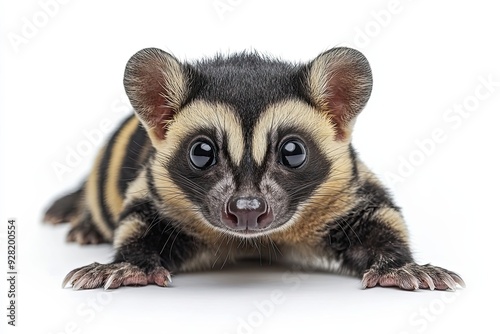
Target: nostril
{"x":229,"y":219}
{"x":265,"y":219}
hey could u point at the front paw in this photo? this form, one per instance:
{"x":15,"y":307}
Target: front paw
{"x":412,"y":276}
{"x":114,"y":275}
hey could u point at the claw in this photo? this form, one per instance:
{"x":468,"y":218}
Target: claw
{"x":78,"y":285}
{"x":67,"y":278}
{"x":428,"y":280}
{"x":109,"y":281}
{"x":77,"y":274}
{"x":458,"y":279}
{"x":449,"y":281}
{"x":411,"y":283}
{"x":370,"y":279}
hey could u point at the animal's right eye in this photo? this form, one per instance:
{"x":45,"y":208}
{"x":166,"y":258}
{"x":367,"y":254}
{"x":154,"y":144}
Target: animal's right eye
{"x":202,"y":154}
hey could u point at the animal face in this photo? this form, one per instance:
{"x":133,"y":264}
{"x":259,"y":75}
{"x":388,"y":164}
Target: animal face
{"x":246,"y":180}
{"x":244,"y":143}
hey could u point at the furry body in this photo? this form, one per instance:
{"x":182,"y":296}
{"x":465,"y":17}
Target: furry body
{"x":241,"y":156}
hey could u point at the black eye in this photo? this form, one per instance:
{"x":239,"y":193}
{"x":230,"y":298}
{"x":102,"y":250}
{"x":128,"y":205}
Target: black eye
{"x":292,"y":153}
{"x":202,"y":154}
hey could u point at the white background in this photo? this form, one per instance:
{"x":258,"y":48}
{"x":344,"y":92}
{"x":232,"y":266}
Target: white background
{"x":63,"y":76}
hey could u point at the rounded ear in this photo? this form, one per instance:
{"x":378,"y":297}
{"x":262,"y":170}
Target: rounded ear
{"x":156,"y":86}
{"x":340,"y":83}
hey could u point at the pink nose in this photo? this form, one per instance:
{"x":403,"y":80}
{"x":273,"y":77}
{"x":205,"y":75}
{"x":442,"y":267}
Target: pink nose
{"x":247,"y":213}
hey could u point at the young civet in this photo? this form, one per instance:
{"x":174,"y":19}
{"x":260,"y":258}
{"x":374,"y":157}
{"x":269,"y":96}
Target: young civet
{"x":240,"y":156}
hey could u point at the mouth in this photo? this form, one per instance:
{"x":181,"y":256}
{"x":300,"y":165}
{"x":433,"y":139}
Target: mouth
{"x":245,"y":233}
{"x":250,"y":231}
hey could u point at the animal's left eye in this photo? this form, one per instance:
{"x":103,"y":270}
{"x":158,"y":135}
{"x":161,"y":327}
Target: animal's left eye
{"x":292,"y":153}
{"x":202,"y":154}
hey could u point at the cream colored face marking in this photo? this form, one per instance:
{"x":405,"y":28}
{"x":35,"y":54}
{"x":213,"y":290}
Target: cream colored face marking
{"x":296,"y":114}
{"x":206,"y":115}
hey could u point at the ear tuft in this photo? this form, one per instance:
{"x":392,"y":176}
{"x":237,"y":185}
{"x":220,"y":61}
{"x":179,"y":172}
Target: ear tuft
{"x":156,"y":87}
{"x":340,"y":84}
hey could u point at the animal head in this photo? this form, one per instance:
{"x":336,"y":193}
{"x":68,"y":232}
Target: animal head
{"x":245,"y":144}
